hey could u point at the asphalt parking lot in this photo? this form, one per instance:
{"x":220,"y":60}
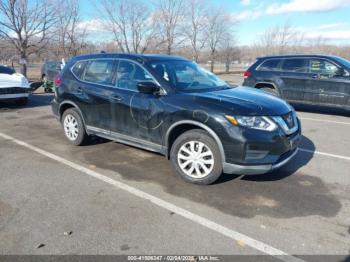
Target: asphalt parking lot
{"x":108,"y":198}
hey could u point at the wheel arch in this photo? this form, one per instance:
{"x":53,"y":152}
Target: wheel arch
{"x":268,"y":84}
{"x":185,"y":125}
{"x":69,"y":104}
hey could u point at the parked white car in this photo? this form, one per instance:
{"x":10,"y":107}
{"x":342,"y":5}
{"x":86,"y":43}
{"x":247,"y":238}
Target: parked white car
{"x":13,"y":86}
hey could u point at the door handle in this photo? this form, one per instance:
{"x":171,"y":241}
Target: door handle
{"x":116,"y":98}
{"x":315,"y":76}
{"x":79,"y":90}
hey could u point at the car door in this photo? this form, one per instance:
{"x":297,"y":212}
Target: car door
{"x":136,"y":116}
{"x":95,"y":92}
{"x":294,"y":76}
{"x":330,"y":81}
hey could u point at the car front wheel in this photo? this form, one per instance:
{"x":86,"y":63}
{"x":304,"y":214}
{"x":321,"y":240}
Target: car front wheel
{"x":196,"y":157}
{"x":73,"y":127}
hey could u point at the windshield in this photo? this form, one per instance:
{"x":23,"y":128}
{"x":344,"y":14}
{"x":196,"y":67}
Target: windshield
{"x":344,"y":61}
{"x":6,"y":70}
{"x":186,"y":76}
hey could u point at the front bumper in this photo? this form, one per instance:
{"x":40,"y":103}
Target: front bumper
{"x":229,"y":168}
{"x":253,"y":152}
{"x":13,"y":96}
{"x":13,"y":93}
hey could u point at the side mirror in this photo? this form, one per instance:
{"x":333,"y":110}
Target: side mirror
{"x":340,"y":72}
{"x":147,"y":87}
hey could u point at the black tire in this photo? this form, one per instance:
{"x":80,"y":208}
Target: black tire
{"x":82,"y":136}
{"x":270,"y":90}
{"x":21,"y":101}
{"x":197,"y":135}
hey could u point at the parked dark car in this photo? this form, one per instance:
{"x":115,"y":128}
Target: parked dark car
{"x":307,"y":79}
{"x":172,"y":106}
{"x":50,"y":69}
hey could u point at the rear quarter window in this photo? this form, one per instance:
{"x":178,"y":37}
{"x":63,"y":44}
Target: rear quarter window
{"x":270,"y":65}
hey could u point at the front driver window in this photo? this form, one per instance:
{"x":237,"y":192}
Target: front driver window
{"x":130,"y":74}
{"x":320,"y":66}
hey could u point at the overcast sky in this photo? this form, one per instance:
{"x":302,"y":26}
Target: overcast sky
{"x":327,"y":18}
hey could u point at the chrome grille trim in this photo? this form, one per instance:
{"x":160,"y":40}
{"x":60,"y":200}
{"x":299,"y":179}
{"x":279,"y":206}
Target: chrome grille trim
{"x":281,"y":122}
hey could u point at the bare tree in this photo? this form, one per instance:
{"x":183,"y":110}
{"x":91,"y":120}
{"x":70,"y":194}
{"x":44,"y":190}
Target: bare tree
{"x":71,"y":36}
{"x":130,"y":23}
{"x":229,"y":52}
{"x":169,"y":14}
{"x":26,"y":25}
{"x":194,"y":26}
{"x":218,"y":24}
{"x":280,"y":39}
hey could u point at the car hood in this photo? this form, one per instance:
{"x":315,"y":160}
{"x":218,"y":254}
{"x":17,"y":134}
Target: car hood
{"x":245,"y":101}
{"x":14,"y":80}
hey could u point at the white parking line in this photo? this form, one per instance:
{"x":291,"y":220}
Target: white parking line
{"x":326,"y":121}
{"x":256,"y":244}
{"x":324,"y":154}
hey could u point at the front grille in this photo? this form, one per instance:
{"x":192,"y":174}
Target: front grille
{"x":288,"y":122}
{"x":289,"y":119}
{"x":13,"y":90}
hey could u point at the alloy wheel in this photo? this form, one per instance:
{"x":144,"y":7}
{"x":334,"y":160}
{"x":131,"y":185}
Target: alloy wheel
{"x":195,"y":159}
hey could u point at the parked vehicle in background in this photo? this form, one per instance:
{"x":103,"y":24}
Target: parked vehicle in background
{"x":307,"y":79}
{"x":48,"y":72}
{"x":13,"y":86}
{"x":172,"y":106}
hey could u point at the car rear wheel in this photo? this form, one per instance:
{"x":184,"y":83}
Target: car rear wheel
{"x":196,"y":157}
{"x":73,"y":127}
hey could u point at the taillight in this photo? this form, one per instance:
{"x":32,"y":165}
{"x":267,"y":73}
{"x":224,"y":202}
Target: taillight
{"x":57,"y":80}
{"x":247,"y":74}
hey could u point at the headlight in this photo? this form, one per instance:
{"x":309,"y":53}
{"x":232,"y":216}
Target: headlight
{"x":255,"y":122}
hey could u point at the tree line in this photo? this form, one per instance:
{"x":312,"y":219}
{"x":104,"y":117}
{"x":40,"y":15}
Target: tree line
{"x":197,"y":29}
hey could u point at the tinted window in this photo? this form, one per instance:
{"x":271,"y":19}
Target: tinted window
{"x":129,"y":74}
{"x":54,"y":65}
{"x":6,"y":70}
{"x":78,"y":68}
{"x":295,"y":65}
{"x":320,"y":66}
{"x":270,"y":65}
{"x":100,"y":72}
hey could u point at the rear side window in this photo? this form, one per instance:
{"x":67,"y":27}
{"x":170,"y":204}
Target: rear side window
{"x":299,"y":65}
{"x":270,"y":65}
{"x":99,"y":72}
{"x":6,"y":70}
{"x":78,"y":69}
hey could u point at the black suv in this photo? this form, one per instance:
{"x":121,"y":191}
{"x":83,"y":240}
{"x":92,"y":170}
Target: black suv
{"x":307,"y":79}
{"x":172,"y":106}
